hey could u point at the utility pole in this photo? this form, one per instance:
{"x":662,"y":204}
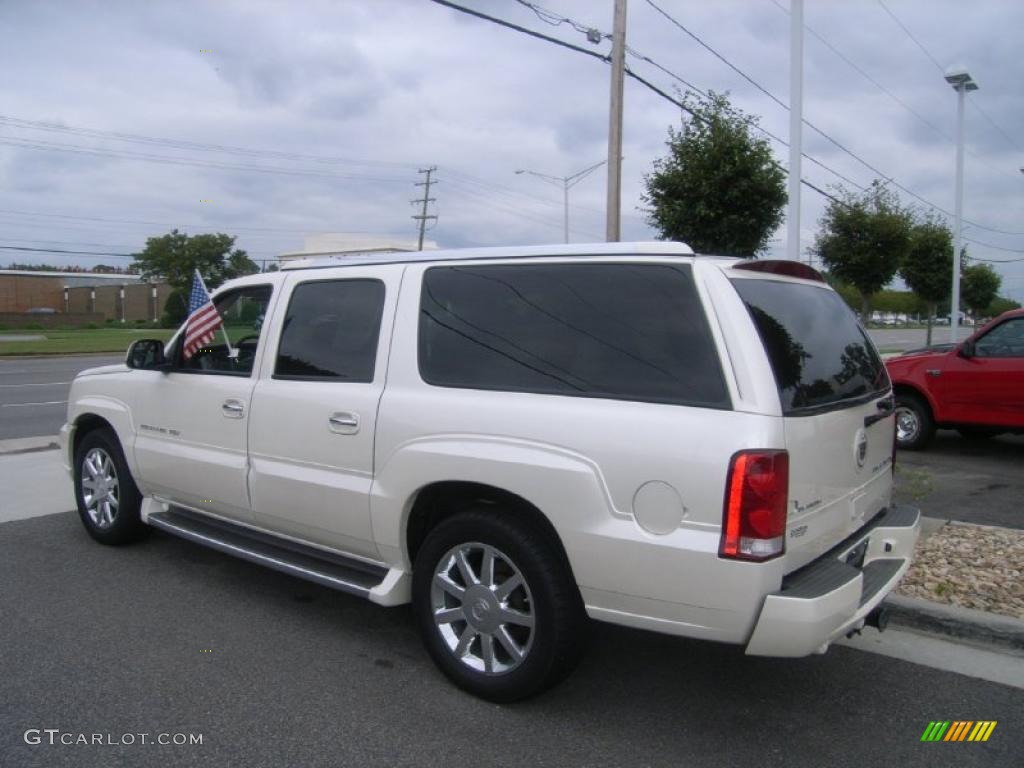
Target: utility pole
{"x":425,"y":200}
{"x":796,"y":108}
{"x":613,"y":213}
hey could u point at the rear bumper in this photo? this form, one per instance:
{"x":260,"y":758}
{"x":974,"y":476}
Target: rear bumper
{"x":834,"y":594}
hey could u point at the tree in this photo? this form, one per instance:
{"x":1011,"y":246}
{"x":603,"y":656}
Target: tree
{"x":864,"y":239}
{"x":979,"y":285}
{"x":719,"y":190}
{"x":175,"y":256}
{"x":999,"y":305}
{"x":927,"y":266}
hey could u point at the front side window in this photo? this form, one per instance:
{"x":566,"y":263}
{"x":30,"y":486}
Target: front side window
{"x":331,"y":331}
{"x":622,"y":331}
{"x":1005,"y":340}
{"x":236,"y":334}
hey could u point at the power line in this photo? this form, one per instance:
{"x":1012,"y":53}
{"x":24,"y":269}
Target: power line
{"x":40,"y":125}
{"x":921,"y":118}
{"x":908,"y":33}
{"x":878,"y":173}
{"x":941,"y":69}
{"x":70,"y":253}
{"x":629,"y":73}
{"x":39,"y":144}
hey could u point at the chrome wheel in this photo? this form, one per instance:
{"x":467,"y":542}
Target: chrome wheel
{"x":100,"y":488}
{"x":483,"y":608}
{"x":908,"y":424}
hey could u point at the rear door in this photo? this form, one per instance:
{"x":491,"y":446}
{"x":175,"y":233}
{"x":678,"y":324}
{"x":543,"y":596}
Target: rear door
{"x":836,"y":405}
{"x":314,"y":409}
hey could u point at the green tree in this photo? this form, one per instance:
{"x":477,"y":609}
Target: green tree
{"x":927,"y":266}
{"x":864,"y":239}
{"x":175,"y":256}
{"x":719,"y":189}
{"x":979,"y":286}
{"x":999,"y":305}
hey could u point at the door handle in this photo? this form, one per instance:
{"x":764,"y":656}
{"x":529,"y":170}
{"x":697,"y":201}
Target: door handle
{"x":885,"y":408}
{"x":343,"y":422}
{"x":233,"y":409}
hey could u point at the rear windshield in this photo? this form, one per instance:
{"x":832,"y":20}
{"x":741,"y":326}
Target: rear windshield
{"x":820,"y":355}
{"x":623,"y":331}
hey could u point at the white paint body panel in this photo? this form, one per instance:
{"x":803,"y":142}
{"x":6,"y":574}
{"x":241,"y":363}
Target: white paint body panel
{"x":580,"y":461}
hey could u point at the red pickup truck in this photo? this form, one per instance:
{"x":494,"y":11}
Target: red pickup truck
{"x":976,"y":386}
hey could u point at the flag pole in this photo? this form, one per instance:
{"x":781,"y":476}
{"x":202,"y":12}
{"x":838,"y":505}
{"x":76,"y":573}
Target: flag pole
{"x":223,"y":325}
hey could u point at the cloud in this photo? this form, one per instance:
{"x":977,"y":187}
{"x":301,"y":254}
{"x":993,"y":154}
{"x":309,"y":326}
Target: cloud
{"x":388,"y":87}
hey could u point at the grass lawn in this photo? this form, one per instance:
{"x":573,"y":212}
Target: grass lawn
{"x":73,"y":342}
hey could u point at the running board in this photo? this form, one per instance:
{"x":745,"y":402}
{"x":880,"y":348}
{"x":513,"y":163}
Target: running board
{"x":327,"y":569}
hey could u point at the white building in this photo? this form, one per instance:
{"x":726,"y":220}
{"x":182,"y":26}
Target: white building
{"x":342,"y":244}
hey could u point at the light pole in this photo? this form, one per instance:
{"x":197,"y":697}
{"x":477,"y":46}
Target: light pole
{"x":796,"y":113}
{"x":566,"y":182}
{"x":962,"y":83}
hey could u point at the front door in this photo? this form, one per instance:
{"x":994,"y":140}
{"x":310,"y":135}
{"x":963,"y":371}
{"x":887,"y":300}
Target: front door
{"x":191,"y":434}
{"x":988,"y":386}
{"x":314,"y":408}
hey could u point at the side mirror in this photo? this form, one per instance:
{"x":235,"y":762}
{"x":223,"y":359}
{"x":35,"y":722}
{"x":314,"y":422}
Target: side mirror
{"x":146,"y":355}
{"x":966,"y":350}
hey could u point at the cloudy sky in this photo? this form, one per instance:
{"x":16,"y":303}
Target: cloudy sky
{"x":273,"y":120}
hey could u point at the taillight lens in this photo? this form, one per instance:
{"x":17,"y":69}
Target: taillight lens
{"x":756,"y":498}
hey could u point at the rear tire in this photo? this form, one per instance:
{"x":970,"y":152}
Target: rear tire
{"x":108,"y":499}
{"x":496,"y":605}
{"x":915,"y":426}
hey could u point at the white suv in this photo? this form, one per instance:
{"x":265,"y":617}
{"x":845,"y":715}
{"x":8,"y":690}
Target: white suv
{"x":516,"y":439}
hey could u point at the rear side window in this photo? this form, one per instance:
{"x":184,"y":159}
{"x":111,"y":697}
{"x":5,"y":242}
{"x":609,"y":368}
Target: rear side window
{"x":820,"y":355}
{"x":331,"y":331}
{"x":624,"y":331}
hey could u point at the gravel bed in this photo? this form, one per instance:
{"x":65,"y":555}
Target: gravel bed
{"x":971,"y":566}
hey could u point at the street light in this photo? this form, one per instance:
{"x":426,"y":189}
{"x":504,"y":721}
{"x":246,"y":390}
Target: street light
{"x":566,"y":182}
{"x":962,"y":83}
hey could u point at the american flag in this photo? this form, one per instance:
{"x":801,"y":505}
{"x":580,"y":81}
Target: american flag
{"x":203,"y":320}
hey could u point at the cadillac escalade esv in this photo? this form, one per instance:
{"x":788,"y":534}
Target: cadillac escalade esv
{"x":515,"y":440}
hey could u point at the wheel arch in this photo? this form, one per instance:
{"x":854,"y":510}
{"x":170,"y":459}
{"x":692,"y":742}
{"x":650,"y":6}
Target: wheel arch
{"x":903,"y":388}
{"x":437,"y":501}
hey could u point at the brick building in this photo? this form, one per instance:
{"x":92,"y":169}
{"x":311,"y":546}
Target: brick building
{"x":101,"y":296}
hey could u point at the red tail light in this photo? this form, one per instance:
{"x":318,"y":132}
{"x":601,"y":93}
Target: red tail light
{"x":756,"y":498}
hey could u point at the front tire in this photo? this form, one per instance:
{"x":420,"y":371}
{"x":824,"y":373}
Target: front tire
{"x":108,"y":499}
{"x":915,"y":426}
{"x":496,"y":605}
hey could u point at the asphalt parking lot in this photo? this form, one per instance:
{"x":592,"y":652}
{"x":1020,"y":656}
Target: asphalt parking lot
{"x":167,"y":637}
{"x":34,"y":391}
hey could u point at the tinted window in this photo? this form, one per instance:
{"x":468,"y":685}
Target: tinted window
{"x":819,"y":353}
{"x":625,"y":331}
{"x":331,"y":330}
{"x":241,"y":313}
{"x":1005,"y":340}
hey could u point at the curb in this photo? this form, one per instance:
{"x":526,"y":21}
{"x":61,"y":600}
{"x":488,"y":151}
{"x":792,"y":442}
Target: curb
{"x":964,"y":623}
{"x":29,"y":445}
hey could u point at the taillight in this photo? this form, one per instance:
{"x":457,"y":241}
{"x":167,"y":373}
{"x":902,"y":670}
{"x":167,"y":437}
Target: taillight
{"x":756,"y":498}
